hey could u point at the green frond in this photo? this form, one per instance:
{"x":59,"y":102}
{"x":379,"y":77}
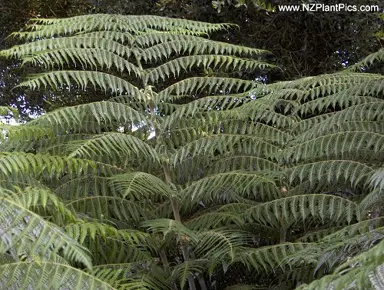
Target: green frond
{"x":115,"y":273}
{"x":318,"y":235}
{"x":86,"y":41}
{"x":48,"y":166}
{"x":13,"y":135}
{"x":362,"y":227}
{"x":377,"y":179}
{"x":364,"y":112}
{"x":131,"y":23}
{"x":284,"y":212}
{"x":112,"y":250}
{"x":91,"y":117}
{"x":308,"y":83}
{"x":188,"y":269}
{"x":157,"y":278}
{"x":243,"y":162}
{"x":141,"y":185}
{"x":221,"y":144}
{"x":332,"y":102}
{"x":196,"y":45}
{"x":224,"y":216}
{"x":264,"y":112}
{"x":83,"y":58}
{"x":184,"y":130}
{"x":110,"y":147}
{"x":343,"y":145}
{"x":35,"y":198}
{"x":173,"y":68}
{"x":220,"y":245}
{"x":208,"y":85}
{"x":319,"y":130}
{"x":82,"y":230}
{"x":83,"y":79}
{"x":75,"y":187}
{"x":355,"y":273}
{"x":168,"y":226}
{"x":109,"y":208}
{"x":311,"y":123}
{"x":371,"y":201}
{"x":330,"y":170}
{"x":47,"y":275}
{"x":268,"y":258}
{"x":373,"y":58}
{"x":22,"y":230}
{"x":223,"y":185}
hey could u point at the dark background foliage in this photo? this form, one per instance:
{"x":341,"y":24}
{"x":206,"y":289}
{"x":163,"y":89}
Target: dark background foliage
{"x":303,"y":43}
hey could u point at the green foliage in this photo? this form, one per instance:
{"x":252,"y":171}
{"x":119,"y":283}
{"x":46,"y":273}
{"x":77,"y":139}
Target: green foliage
{"x":188,"y":170}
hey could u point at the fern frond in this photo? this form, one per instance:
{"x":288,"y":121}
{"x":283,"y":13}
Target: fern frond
{"x":86,"y":41}
{"x":35,"y":198}
{"x":377,"y":179}
{"x":47,"y":275}
{"x":91,"y":117}
{"x":168,"y":226}
{"x":173,"y":68}
{"x":108,"y":208}
{"x":215,"y":219}
{"x":337,"y":145}
{"x":223,"y":143}
{"x":349,"y":126}
{"x":208,"y":85}
{"x":220,"y":245}
{"x":141,"y":185}
{"x":216,"y":187}
{"x":85,"y":58}
{"x":243,"y":162}
{"x":187,"y":269}
{"x":269,"y":258}
{"x":332,"y":102}
{"x":368,"y":61}
{"x":23,"y":229}
{"x":110,"y":147}
{"x":83,"y":79}
{"x":49,"y":166}
{"x":331,"y":171}
{"x":286,"y":211}
{"x":83,"y":230}
{"x":197,"y":45}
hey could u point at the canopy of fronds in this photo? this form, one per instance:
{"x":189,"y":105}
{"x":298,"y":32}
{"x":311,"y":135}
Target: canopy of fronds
{"x":188,"y":172}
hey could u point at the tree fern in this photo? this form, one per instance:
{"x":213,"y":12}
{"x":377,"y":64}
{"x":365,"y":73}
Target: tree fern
{"x":186,"y":170}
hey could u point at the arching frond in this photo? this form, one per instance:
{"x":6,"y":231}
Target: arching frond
{"x":23,"y":230}
{"x":339,"y":144}
{"x":173,"y":68}
{"x":244,"y":183}
{"x":368,"y":61}
{"x":109,"y":148}
{"x":141,"y":185}
{"x":220,"y":245}
{"x":83,"y":79}
{"x":196,"y":85}
{"x":47,"y":275}
{"x":283,"y":212}
{"x":108,"y":208}
{"x":269,"y":258}
{"x":50,"y":166}
{"x":331,"y":170}
{"x":224,"y":143}
{"x":186,"y":270}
